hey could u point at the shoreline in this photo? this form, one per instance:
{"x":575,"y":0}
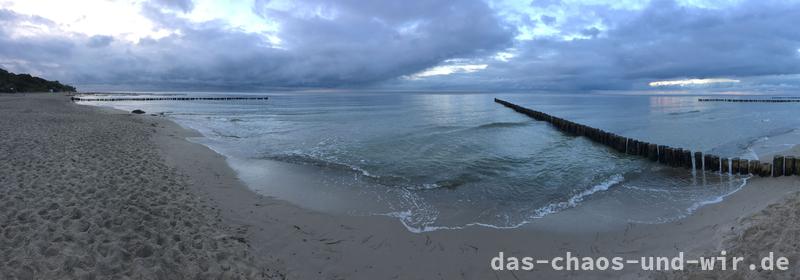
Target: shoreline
{"x":310,"y":243}
{"x":302,"y":243}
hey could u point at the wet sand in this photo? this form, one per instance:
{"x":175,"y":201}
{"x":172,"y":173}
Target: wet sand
{"x":274,"y":235}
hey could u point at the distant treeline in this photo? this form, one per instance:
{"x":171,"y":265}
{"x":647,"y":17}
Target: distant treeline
{"x":10,"y":82}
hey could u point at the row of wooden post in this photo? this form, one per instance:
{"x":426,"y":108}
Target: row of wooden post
{"x":746,"y":100}
{"x":166,"y":98}
{"x":674,"y":157}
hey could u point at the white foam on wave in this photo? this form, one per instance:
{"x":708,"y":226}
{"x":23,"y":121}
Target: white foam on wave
{"x":578,"y":198}
{"x":718,"y":199}
{"x":406,"y":217}
{"x":695,"y":206}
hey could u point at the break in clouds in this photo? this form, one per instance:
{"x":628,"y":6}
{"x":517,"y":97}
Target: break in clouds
{"x":420,"y":44}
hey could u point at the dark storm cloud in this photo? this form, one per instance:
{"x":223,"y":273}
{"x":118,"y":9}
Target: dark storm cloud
{"x":361,"y":44}
{"x":378,"y":40}
{"x":352,"y":43}
{"x":664,"y":41}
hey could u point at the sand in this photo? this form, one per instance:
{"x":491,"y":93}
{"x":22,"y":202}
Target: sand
{"x":84,"y":194}
{"x":138,"y":174}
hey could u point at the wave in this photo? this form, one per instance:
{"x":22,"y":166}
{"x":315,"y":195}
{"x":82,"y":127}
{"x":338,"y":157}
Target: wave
{"x":501,"y":125}
{"x":771,"y":141}
{"x":452,"y":183}
{"x":717,"y":199}
{"x":304,"y":159}
{"x":383,"y":179}
{"x":220,"y":134}
{"x":578,"y":198}
{"x":696,"y":205}
{"x":684,"y":113}
{"x":406,"y":217}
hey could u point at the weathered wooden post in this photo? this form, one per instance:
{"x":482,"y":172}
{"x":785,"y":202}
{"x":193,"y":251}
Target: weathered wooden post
{"x":630,"y":145}
{"x":744,"y":166}
{"x":698,"y":161}
{"x":754,"y":167}
{"x":662,"y":153}
{"x":687,"y":159}
{"x":735,"y":166}
{"x":766,"y":169}
{"x":725,"y":166}
{"x":643,"y":146}
{"x":714,"y":163}
{"x":788,"y":168}
{"x":652,"y":152}
{"x":707,"y":162}
{"x":797,"y":166}
{"x":642,"y":149}
{"x":777,"y":164}
{"x":677,"y":158}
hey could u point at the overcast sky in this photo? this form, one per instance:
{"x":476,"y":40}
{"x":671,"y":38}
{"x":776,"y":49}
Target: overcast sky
{"x":410,"y":44}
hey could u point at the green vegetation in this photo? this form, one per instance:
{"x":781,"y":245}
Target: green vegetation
{"x":10,"y":82}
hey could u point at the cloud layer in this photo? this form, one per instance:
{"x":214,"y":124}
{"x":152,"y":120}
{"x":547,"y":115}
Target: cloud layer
{"x":349,"y":43}
{"x":322,"y":44}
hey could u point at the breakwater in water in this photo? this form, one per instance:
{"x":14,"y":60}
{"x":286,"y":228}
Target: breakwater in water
{"x":747,"y":100}
{"x":166,"y":98}
{"x":663,"y":154}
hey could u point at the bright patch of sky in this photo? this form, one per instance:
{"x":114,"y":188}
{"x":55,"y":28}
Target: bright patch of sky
{"x":692,"y":82}
{"x":116,"y":18}
{"x":448,"y":69}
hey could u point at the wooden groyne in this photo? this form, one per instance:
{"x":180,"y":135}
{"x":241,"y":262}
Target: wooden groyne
{"x":670,"y":156}
{"x":166,"y":98}
{"x":747,"y":100}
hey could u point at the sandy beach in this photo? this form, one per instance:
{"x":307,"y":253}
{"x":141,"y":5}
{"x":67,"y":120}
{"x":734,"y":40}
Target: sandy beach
{"x":84,"y":194}
{"x":94,"y":193}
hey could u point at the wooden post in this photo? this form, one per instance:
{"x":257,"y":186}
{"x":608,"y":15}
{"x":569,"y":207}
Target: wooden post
{"x":662,"y":153}
{"x":754,"y":167}
{"x":735,"y":166}
{"x":687,"y":159}
{"x":725,"y":167}
{"x":707,"y":162}
{"x":789,"y":166}
{"x":652,"y":152}
{"x":744,"y":166}
{"x":777,"y":164}
{"x":629,"y":147}
{"x":643,"y":146}
{"x":766,"y":169}
{"x":670,"y":156}
{"x":698,"y":161}
{"x":797,"y":166}
{"x":677,"y":157}
{"x":714,"y":163}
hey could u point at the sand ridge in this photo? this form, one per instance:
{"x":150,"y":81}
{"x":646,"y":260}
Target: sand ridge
{"x":84,"y":194}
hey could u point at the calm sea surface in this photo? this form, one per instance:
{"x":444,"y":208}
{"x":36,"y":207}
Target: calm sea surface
{"x":449,"y":160}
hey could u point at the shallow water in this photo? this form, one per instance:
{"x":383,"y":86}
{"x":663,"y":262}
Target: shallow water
{"x":437,"y":160}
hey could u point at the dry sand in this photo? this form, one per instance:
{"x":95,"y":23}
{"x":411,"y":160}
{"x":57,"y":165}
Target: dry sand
{"x":84,"y":195}
{"x":119,"y":179}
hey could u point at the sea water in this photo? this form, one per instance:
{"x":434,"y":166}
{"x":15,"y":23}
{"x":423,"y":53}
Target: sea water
{"x":451,"y":160}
